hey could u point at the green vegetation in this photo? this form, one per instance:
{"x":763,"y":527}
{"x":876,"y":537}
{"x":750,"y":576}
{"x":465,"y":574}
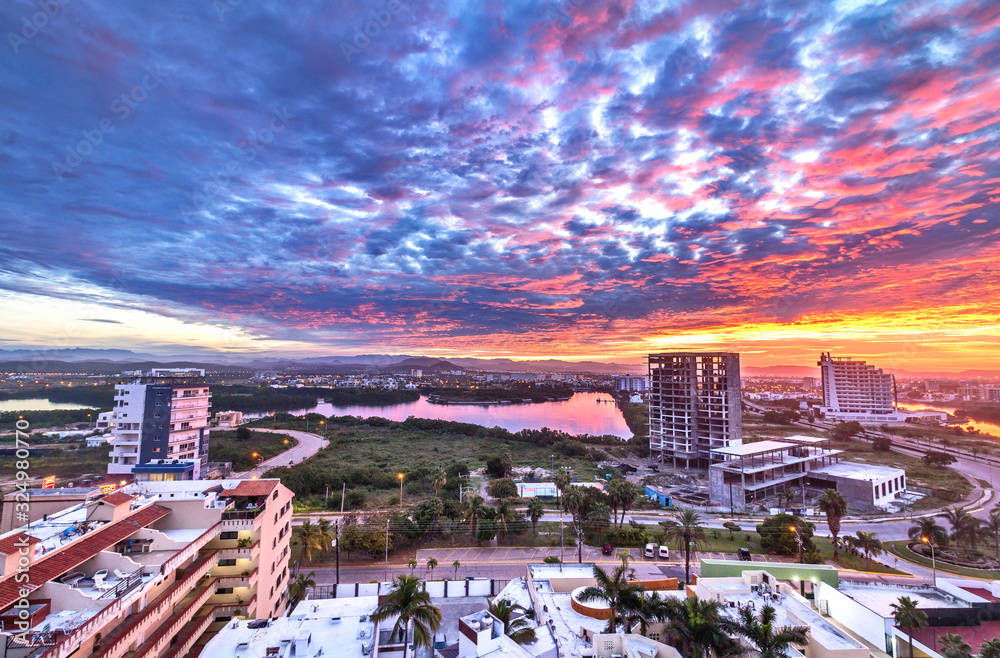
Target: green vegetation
{"x":636,"y":417}
{"x":987,"y":413}
{"x":52,"y":418}
{"x":247,"y":398}
{"x":497,"y":393}
{"x":900,"y":549}
{"x":364,"y":397}
{"x":72,"y":461}
{"x":92,"y":396}
{"x":230,"y":447}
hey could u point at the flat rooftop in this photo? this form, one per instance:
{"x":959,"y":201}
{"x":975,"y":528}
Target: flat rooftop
{"x":880,"y":599}
{"x":792,"y":612}
{"x":802,"y":438}
{"x":331,"y":627}
{"x":756,"y":448}
{"x":856,"y":471}
{"x":554,"y":572}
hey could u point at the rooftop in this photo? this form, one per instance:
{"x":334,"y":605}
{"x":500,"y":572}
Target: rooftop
{"x":880,"y":599}
{"x":756,"y":448}
{"x":332,"y":627}
{"x":856,"y":471}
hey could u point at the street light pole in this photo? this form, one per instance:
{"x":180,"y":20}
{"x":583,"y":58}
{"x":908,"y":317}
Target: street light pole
{"x":553,"y":469}
{"x":400,"y":476}
{"x":798,"y":538}
{"x":927,"y":541}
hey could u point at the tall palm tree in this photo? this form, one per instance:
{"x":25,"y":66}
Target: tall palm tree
{"x":456,"y":565}
{"x":953,"y":646}
{"x":965,"y":528}
{"x":992,"y":528}
{"x":928,"y":527}
{"x":573,"y":501}
{"x":616,"y":591}
{"x":412,"y":564}
{"x":412,"y":606}
{"x":505,"y":516}
{"x":310,"y":540}
{"x":868,"y":543}
{"x":990,"y":648}
{"x":698,"y":628}
{"x":764,"y":635}
{"x":686,"y":532}
{"x":518,"y":629}
{"x":909,"y":618}
{"x":431,"y":564}
{"x":326,"y":535}
{"x":299,"y":586}
{"x":474,"y":511}
{"x":834,"y":505}
{"x":440,"y":480}
{"x":535,"y":511}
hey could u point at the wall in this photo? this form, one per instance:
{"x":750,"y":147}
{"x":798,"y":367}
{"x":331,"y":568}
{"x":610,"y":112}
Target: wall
{"x":851,"y":614}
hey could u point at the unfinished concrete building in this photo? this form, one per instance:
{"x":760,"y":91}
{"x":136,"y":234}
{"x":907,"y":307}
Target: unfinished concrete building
{"x":694,"y":405}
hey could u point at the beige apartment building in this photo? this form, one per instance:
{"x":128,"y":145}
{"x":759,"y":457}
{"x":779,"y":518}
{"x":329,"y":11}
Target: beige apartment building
{"x":150,"y":571}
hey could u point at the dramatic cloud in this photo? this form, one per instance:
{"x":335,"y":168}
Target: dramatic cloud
{"x":580,"y":178}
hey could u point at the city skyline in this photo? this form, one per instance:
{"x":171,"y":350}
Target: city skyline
{"x":577,"y":180}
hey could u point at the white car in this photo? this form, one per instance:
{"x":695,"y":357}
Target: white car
{"x":650,"y":551}
{"x":664,"y":553}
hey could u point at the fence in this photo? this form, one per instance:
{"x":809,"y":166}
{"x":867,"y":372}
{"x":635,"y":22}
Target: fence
{"x":438,"y":589}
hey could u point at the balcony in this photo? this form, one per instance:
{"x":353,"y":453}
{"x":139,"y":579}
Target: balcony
{"x":249,"y":519}
{"x":183,"y":613}
{"x":240,"y":580}
{"x":250,"y":553}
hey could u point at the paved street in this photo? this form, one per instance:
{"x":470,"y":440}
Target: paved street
{"x":309,"y":445}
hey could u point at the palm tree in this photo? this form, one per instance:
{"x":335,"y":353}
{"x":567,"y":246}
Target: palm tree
{"x":613,"y":589}
{"x":965,"y":528}
{"x":440,"y":480}
{"x":953,"y":646}
{"x":686,"y":533}
{"x":765,"y":636}
{"x":698,"y":628}
{"x":519,"y":629}
{"x":868,"y":543}
{"x":412,"y":564}
{"x":573,"y":500}
{"x":786,"y":496}
{"x":474,"y":511}
{"x":992,"y":527}
{"x":505,"y":515}
{"x":412,"y":606}
{"x":431,"y":563}
{"x":909,"y":618}
{"x":298,"y":587}
{"x":928,"y":527}
{"x":326,"y":534}
{"x":834,"y":505}
{"x":456,"y":565}
{"x":990,"y":648}
{"x":535,"y":511}
{"x":310,"y":539}
{"x":621,"y":494}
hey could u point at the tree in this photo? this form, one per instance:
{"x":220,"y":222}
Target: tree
{"x":953,"y":646}
{"x":505,"y":516}
{"x":992,"y":528}
{"x":764,"y":634}
{"x":615,"y":591}
{"x":882,"y":444}
{"x":868,"y":543}
{"x":412,"y":564}
{"x":243,"y":433}
{"x":535,"y":511}
{"x":928,"y":527}
{"x":456,"y":565}
{"x":732,"y":528}
{"x":777,"y":537}
{"x":440,"y":480}
{"x":846,"y":431}
{"x":326,"y":535}
{"x":990,"y":648}
{"x":411,"y":605}
{"x":502,"y":489}
{"x":518,"y":629}
{"x":310,"y":540}
{"x":834,"y":505}
{"x":686,"y":532}
{"x":499,"y":465}
{"x":698,"y":628}
{"x":909,"y":618}
{"x":965,"y":528}
{"x":298,"y":588}
{"x":487,"y":531}
{"x":785,"y":496}
{"x":574,"y":499}
{"x":431,"y":563}
{"x":621,"y":494}
{"x":936,"y":458}
{"x":474,"y":512}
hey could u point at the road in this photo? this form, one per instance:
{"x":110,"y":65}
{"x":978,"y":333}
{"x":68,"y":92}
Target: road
{"x":309,"y":445}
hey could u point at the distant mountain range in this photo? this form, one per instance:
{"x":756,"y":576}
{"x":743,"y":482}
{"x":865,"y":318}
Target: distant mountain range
{"x":111,"y":361}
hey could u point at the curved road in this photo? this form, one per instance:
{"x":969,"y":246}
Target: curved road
{"x":309,"y":445}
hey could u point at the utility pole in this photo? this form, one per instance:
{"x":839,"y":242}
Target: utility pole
{"x":343,"y":494}
{"x":337,"y":539}
{"x":560,"y":531}
{"x":387,"y":550}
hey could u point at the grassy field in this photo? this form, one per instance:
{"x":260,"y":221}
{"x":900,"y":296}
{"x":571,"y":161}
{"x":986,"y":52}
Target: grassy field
{"x":63,"y":463}
{"x":899,"y":548}
{"x":225,"y":447}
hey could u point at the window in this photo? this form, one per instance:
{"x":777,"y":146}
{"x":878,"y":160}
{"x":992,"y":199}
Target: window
{"x":229,"y":534}
{"x":224,"y":590}
{"x":275,"y":496}
{"x":229,"y":562}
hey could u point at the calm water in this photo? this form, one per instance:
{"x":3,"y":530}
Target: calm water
{"x":37,"y":404}
{"x":986,"y":428}
{"x":584,"y":413}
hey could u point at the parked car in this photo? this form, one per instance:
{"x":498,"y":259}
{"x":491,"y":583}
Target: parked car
{"x":607,"y":549}
{"x":650,"y":551}
{"x":664,"y":553}
{"x":744,"y":554}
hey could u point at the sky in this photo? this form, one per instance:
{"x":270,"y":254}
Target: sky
{"x":576,"y":179}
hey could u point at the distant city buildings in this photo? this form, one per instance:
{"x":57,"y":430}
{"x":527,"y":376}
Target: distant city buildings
{"x":694,"y":405}
{"x":632,"y":383}
{"x":160,"y":427}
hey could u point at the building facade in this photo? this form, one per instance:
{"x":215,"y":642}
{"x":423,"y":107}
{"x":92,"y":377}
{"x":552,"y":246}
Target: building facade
{"x":856,"y":390}
{"x":160,"y":417}
{"x":149,"y":571}
{"x":694,"y":405}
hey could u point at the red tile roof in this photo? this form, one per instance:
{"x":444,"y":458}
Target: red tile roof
{"x":973,"y":635}
{"x":10,"y":544}
{"x":117,"y":498}
{"x":73,"y":555}
{"x":250,"y":488}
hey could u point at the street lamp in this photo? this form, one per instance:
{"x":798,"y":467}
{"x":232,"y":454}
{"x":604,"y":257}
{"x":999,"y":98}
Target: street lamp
{"x":400,"y":476}
{"x":323,"y":423}
{"x":553,"y":469}
{"x":798,"y":538}
{"x":927,"y":541}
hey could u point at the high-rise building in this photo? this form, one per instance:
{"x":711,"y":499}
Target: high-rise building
{"x":694,"y":405}
{"x":150,"y":571}
{"x":631,"y":383}
{"x":161,"y":426}
{"x":855,"y":390}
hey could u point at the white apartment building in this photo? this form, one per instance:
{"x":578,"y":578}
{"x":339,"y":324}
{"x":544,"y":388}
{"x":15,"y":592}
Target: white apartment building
{"x":855,"y":390}
{"x":149,"y":571}
{"x":163,"y":415}
{"x":632,"y":383}
{"x":694,"y":405}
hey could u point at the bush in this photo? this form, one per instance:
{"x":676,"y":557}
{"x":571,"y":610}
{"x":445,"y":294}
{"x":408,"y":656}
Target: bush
{"x":777,"y":538}
{"x":499,"y":465}
{"x":882,"y":444}
{"x":552,"y":559}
